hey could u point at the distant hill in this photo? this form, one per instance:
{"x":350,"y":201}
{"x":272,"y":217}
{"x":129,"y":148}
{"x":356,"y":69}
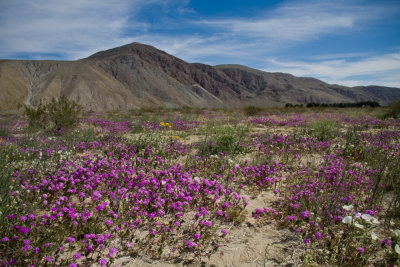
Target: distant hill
{"x":138,"y":75}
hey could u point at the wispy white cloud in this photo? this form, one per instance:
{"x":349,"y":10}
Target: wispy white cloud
{"x":296,"y":21}
{"x":381,"y":70}
{"x":195,"y":48}
{"x":268,"y":31}
{"x":72,"y":28}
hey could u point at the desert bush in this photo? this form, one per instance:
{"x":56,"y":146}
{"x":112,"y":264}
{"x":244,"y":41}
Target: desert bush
{"x":223,"y":139}
{"x":252,"y":110}
{"x":56,"y":115}
{"x":4,"y":131}
{"x":323,"y":129}
{"x":393,"y":110}
{"x":36,"y":116}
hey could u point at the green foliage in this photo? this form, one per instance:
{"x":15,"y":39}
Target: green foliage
{"x":372,"y":104}
{"x":290,"y":105}
{"x":87,"y":135}
{"x":252,"y":110}
{"x":116,"y":115}
{"x":223,"y":139}
{"x":323,"y":129}
{"x":394,"y":110}
{"x":36,"y":116}
{"x":353,"y":142}
{"x":57,"y":115}
{"x":137,"y":129}
{"x":4,"y":131}
{"x":9,"y":156}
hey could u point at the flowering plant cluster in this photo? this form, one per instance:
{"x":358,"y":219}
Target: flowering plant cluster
{"x":89,"y":197}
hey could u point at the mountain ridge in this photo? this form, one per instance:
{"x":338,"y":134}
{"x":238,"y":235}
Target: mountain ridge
{"x":137,"y":75}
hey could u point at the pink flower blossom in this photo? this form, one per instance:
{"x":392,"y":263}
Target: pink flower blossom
{"x":70,"y":239}
{"x":102,"y":262}
{"x":360,"y":250}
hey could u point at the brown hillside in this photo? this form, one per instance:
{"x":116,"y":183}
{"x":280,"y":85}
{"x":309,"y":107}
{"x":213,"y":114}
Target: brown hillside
{"x":138,"y":75}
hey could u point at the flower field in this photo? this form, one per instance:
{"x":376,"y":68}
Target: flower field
{"x":178,"y":187}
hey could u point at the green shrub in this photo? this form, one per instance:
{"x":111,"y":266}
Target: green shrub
{"x":223,"y":139}
{"x":252,"y":110}
{"x":4,"y":131}
{"x":86,"y":136}
{"x":323,"y":129}
{"x":36,"y":116}
{"x":136,"y":129}
{"x":57,"y":115}
{"x":393,"y":111}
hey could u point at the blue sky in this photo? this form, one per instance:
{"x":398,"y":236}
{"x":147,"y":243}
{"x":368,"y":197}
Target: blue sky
{"x":349,"y":42}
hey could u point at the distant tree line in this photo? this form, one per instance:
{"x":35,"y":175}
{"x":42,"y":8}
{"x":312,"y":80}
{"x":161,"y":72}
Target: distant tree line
{"x":289,"y":105}
{"x":337,"y":105}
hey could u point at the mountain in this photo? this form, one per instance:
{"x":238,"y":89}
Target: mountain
{"x":138,"y":75}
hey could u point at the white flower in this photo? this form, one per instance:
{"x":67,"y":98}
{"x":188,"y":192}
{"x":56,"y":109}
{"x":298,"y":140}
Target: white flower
{"x":347,"y":219}
{"x":348,"y":207}
{"x":375,"y":221}
{"x":374,"y":236}
{"x":367,"y":217}
{"x":397,"y":249}
{"x":396,"y":232}
{"x":358,"y":225}
{"x":196,"y":178}
{"x":370,"y":219}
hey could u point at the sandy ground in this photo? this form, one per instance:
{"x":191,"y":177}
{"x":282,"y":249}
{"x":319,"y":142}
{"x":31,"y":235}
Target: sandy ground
{"x":247,"y":244}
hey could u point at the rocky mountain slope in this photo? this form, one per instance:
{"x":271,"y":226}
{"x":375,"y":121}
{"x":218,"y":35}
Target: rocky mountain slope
{"x":137,"y":75}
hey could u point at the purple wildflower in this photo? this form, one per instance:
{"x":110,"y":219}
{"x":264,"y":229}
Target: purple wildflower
{"x":360,"y":250}
{"x":317,"y":235}
{"x":291,"y":218}
{"x":189,"y":244}
{"x":102,"y":262}
{"x":23,"y":230}
{"x":305,"y":214}
{"x":370,"y":212}
{"x":70,"y":239}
